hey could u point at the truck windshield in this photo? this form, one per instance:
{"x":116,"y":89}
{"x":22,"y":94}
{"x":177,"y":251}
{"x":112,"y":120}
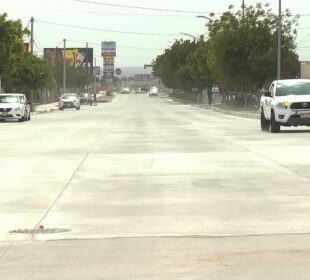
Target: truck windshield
{"x":293,"y":89}
{"x":9,"y":99}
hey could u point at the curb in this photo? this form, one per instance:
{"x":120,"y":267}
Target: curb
{"x":255,"y":116}
{"x":45,"y":111}
{"x":232,"y":113}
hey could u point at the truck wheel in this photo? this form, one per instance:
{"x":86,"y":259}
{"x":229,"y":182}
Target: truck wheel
{"x":275,"y":126}
{"x":264,"y":123}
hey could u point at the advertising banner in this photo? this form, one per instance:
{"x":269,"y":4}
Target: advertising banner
{"x":144,"y":77}
{"x":75,"y":56}
{"x":108,"y":60}
{"x":108,"y":48}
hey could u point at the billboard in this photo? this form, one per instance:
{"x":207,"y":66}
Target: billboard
{"x":75,"y":56}
{"x":144,"y":77}
{"x":108,"y":48}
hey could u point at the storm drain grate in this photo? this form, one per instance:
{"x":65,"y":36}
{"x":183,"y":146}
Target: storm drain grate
{"x":40,"y":231}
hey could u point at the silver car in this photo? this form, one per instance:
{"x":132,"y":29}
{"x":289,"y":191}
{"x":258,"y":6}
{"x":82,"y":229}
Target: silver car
{"x":69,"y":100}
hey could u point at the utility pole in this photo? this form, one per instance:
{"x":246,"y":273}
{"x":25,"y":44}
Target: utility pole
{"x":64,"y":82}
{"x":95,"y":93}
{"x":0,"y":86}
{"x":31,"y":52}
{"x":57,"y":72}
{"x":279,"y":41}
{"x":31,"y":36}
{"x":87,"y":67}
{"x":242,"y":8}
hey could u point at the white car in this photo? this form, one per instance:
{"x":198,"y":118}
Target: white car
{"x":69,"y":100}
{"x":287,"y":103}
{"x":125,"y":90}
{"x":153,"y":91}
{"x":14,"y":106}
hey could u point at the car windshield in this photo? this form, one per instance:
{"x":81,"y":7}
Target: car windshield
{"x":9,"y":99}
{"x":85,"y":95}
{"x":69,"y":97}
{"x":299,"y":88}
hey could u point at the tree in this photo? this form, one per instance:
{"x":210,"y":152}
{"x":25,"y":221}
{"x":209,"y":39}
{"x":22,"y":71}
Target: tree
{"x":172,"y":66}
{"x":77,"y":77}
{"x":199,"y":66}
{"x":243,"y":50}
{"x":33,"y":74}
{"x":11,"y":48}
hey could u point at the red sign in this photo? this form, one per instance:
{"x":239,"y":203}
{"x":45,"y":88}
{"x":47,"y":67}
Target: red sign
{"x":118,"y":71}
{"x":26,"y":47}
{"x":96,"y":70}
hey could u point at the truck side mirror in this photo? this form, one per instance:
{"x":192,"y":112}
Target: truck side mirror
{"x":267,"y":94}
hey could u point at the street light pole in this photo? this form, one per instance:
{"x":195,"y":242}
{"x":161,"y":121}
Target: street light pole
{"x":189,"y":35}
{"x":279,"y":41}
{"x":242,"y":8}
{"x":64,"y":82}
{"x":31,"y":52}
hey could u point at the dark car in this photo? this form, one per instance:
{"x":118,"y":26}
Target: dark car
{"x":86,"y":98}
{"x":145,"y":89}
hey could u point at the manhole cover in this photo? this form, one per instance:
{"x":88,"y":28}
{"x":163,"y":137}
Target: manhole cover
{"x":40,"y":231}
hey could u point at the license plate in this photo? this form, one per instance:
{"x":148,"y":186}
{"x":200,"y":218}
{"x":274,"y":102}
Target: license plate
{"x":305,"y":115}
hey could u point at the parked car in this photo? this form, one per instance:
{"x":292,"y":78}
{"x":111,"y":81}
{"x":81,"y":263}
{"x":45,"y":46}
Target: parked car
{"x":153,"y":91}
{"x":14,"y":106}
{"x":69,"y":100}
{"x":125,"y":90}
{"x":287,"y":103}
{"x":86,"y":98}
{"x":145,"y":89}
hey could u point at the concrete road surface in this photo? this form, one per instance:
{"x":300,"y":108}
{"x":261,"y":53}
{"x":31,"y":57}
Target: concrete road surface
{"x":146,"y":188}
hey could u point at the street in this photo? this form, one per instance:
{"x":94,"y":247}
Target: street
{"x":150,"y":188}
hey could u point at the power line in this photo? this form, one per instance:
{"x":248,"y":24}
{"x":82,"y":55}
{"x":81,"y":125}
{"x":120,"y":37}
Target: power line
{"x":118,"y":46}
{"x":106,"y":30}
{"x":142,"y":8}
{"x":37,"y":41}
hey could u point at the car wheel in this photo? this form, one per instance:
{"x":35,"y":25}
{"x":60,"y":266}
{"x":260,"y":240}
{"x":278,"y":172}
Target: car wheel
{"x":22,"y":119}
{"x":264,"y":123}
{"x":275,"y":126}
{"x":61,"y":109}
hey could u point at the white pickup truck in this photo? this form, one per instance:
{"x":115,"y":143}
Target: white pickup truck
{"x":287,"y":103}
{"x":14,"y":106}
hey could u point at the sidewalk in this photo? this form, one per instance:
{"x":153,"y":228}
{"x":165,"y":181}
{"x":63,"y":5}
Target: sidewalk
{"x":46,"y":108}
{"x":233,"y":112}
{"x":239,"y":112}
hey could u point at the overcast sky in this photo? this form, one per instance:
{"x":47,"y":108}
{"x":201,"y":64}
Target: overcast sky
{"x":133,"y":49}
